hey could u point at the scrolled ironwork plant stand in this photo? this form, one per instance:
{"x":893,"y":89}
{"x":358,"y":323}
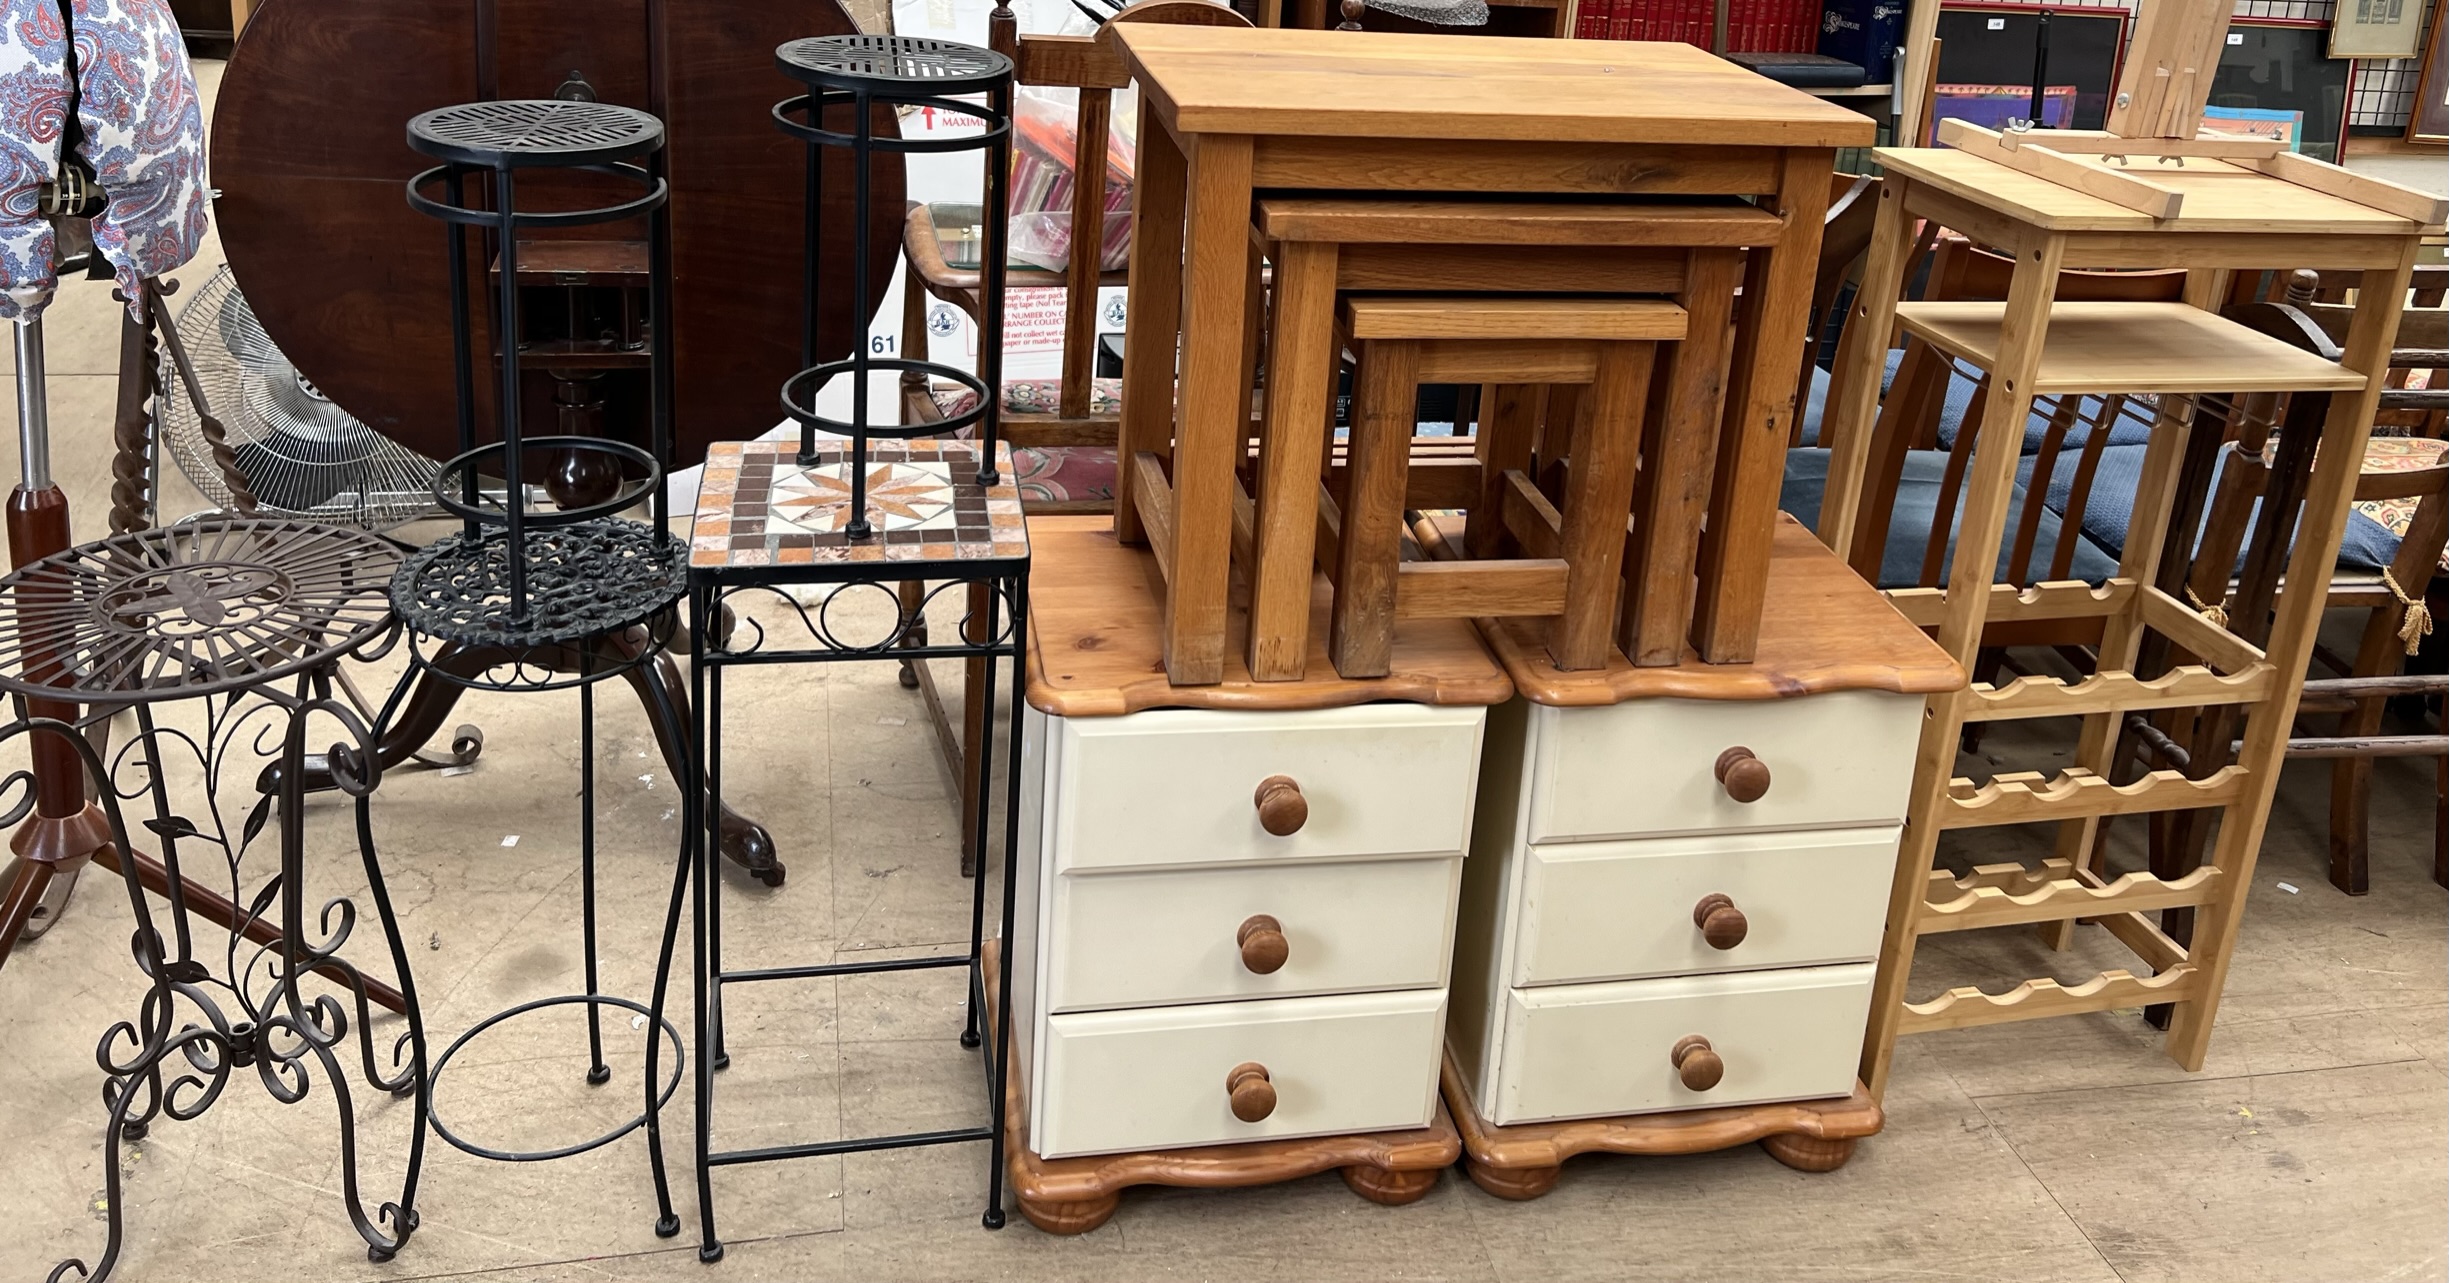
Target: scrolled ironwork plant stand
{"x":858,"y":516}
{"x":249,"y":618}
{"x":564,"y":597}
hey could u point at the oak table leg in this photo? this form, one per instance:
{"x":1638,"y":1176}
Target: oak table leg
{"x":1760,"y":407}
{"x":1152,"y":326}
{"x":1682,"y":450}
{"x":1212,"y":426}
{"x":1300,"y":371}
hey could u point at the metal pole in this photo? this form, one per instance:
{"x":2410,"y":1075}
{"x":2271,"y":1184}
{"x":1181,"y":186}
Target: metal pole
{"x":33,"y":407}
{"x":2040,"y":72}
{"x":858,"y":527}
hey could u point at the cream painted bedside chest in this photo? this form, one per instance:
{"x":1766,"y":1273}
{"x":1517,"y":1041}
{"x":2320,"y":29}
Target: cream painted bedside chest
{"x":1235,"y":903}
{"x":1677,"y":886}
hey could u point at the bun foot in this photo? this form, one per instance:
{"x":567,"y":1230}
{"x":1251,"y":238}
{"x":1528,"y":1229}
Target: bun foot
{"x":1808,"y":1153}
{"x":1516,"y":1183}
{"x":1392,"y":1189}
{"x":1077,"y":1217}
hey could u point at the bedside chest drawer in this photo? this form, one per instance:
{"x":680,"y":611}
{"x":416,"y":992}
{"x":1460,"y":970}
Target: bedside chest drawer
{"x":1156,"y":1079}
{"x":1648,"y":767}
{"x":1175,"y":936}
{"x":1178,"y":787}
{"x":1588,"y":1051}
{"x":1623,"y":910}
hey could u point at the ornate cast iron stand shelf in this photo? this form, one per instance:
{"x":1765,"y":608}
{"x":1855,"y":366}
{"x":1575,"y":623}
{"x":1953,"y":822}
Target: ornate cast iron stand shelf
{"x":560,"y":598}
{"x":247,"y":618}
{"x":861,"y":518}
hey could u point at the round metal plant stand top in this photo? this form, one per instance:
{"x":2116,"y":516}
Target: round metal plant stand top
{"x":204,"y":606}
{"x":583,"y":581}
{"x":513,"y":132}
{"x":940,"y":67}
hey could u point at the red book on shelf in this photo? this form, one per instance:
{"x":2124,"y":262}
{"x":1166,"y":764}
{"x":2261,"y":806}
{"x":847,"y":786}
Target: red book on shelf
{"x":1590,"y":20}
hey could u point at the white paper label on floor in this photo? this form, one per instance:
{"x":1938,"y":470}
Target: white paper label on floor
{"x":512,"y":840}
{"x":449,"y":771}
{"x":2288,"y":887}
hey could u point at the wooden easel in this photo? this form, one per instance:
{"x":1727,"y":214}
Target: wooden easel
{"x":2142,"y":194}
{"x":2156,"y":115}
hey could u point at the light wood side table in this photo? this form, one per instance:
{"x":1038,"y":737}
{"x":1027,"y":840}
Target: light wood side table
{"x":1225,"y":112}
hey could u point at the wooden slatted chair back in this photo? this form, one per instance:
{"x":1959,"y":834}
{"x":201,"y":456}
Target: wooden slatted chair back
{"x":1093,"y":66}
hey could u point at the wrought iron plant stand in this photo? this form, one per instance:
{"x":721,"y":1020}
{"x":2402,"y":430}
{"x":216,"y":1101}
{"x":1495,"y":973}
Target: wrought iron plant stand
{"x":561,"y":598}
{"x":859,"y":518}
{"x":248,"y":618}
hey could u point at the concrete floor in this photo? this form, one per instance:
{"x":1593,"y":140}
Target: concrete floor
{"x":2313,"y":1145}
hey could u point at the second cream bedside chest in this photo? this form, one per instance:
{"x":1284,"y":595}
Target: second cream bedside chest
{"x":1678,"y":881}
{"x":1235,"y":903}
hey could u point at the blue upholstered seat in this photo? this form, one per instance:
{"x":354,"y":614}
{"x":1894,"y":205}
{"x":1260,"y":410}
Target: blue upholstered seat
{"x":2130,"y":428}
{"x":2366,"y":546}
{"x":1917,"y":503}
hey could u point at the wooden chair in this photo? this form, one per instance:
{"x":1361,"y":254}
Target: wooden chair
{"x":1844,"y":237}
{"x":2406,"y":473}
{"x":1064,"y":454}
{"x":1071,"y":445}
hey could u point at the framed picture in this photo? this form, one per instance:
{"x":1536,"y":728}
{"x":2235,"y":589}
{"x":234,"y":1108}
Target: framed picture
{"x":1992,"y":106}
{"x":2429,"y":122}
{"x":2376,"y":29}
{"x":1991,"y":51}
{"x":2254,"y":122}
{"x":2271,"y":66}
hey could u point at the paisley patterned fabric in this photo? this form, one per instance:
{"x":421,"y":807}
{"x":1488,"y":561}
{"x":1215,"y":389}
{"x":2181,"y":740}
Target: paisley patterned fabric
{"x":143,"y":137}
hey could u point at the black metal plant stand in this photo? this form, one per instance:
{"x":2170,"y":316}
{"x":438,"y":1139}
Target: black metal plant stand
{"x":862,"y":516}
{"x":570,"y":596}
{"x":248,"y":618}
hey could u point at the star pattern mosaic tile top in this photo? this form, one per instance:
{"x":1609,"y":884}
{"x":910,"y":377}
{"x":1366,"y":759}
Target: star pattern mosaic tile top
{"x":758,"y":505}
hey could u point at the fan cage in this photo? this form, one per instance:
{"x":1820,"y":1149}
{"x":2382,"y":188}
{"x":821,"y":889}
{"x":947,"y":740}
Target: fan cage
{"x":301,"y":454}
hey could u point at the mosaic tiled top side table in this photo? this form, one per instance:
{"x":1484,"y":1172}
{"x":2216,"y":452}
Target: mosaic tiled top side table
{"x":758,"y":506}
{"x":767,"y":522}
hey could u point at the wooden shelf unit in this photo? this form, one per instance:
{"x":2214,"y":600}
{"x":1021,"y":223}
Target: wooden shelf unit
{"x":2227,"y":216}
{"x":2131,"y":347}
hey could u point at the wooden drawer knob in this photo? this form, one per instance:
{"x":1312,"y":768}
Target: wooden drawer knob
{"x":1262,"y":944}
{"x":1745,"y":777}
{"x":1282,"y":809}
{"x":1721,"y":923}
{"x":1253,"y":1096}
{"x":1695,"y":1063}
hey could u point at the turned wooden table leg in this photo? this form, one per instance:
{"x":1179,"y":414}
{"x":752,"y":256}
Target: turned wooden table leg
{"x":1808,"y":1153}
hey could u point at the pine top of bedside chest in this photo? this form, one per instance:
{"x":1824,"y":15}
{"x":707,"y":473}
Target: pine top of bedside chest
{"x":1824,"y":630}
{"x":1095,"y":648}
